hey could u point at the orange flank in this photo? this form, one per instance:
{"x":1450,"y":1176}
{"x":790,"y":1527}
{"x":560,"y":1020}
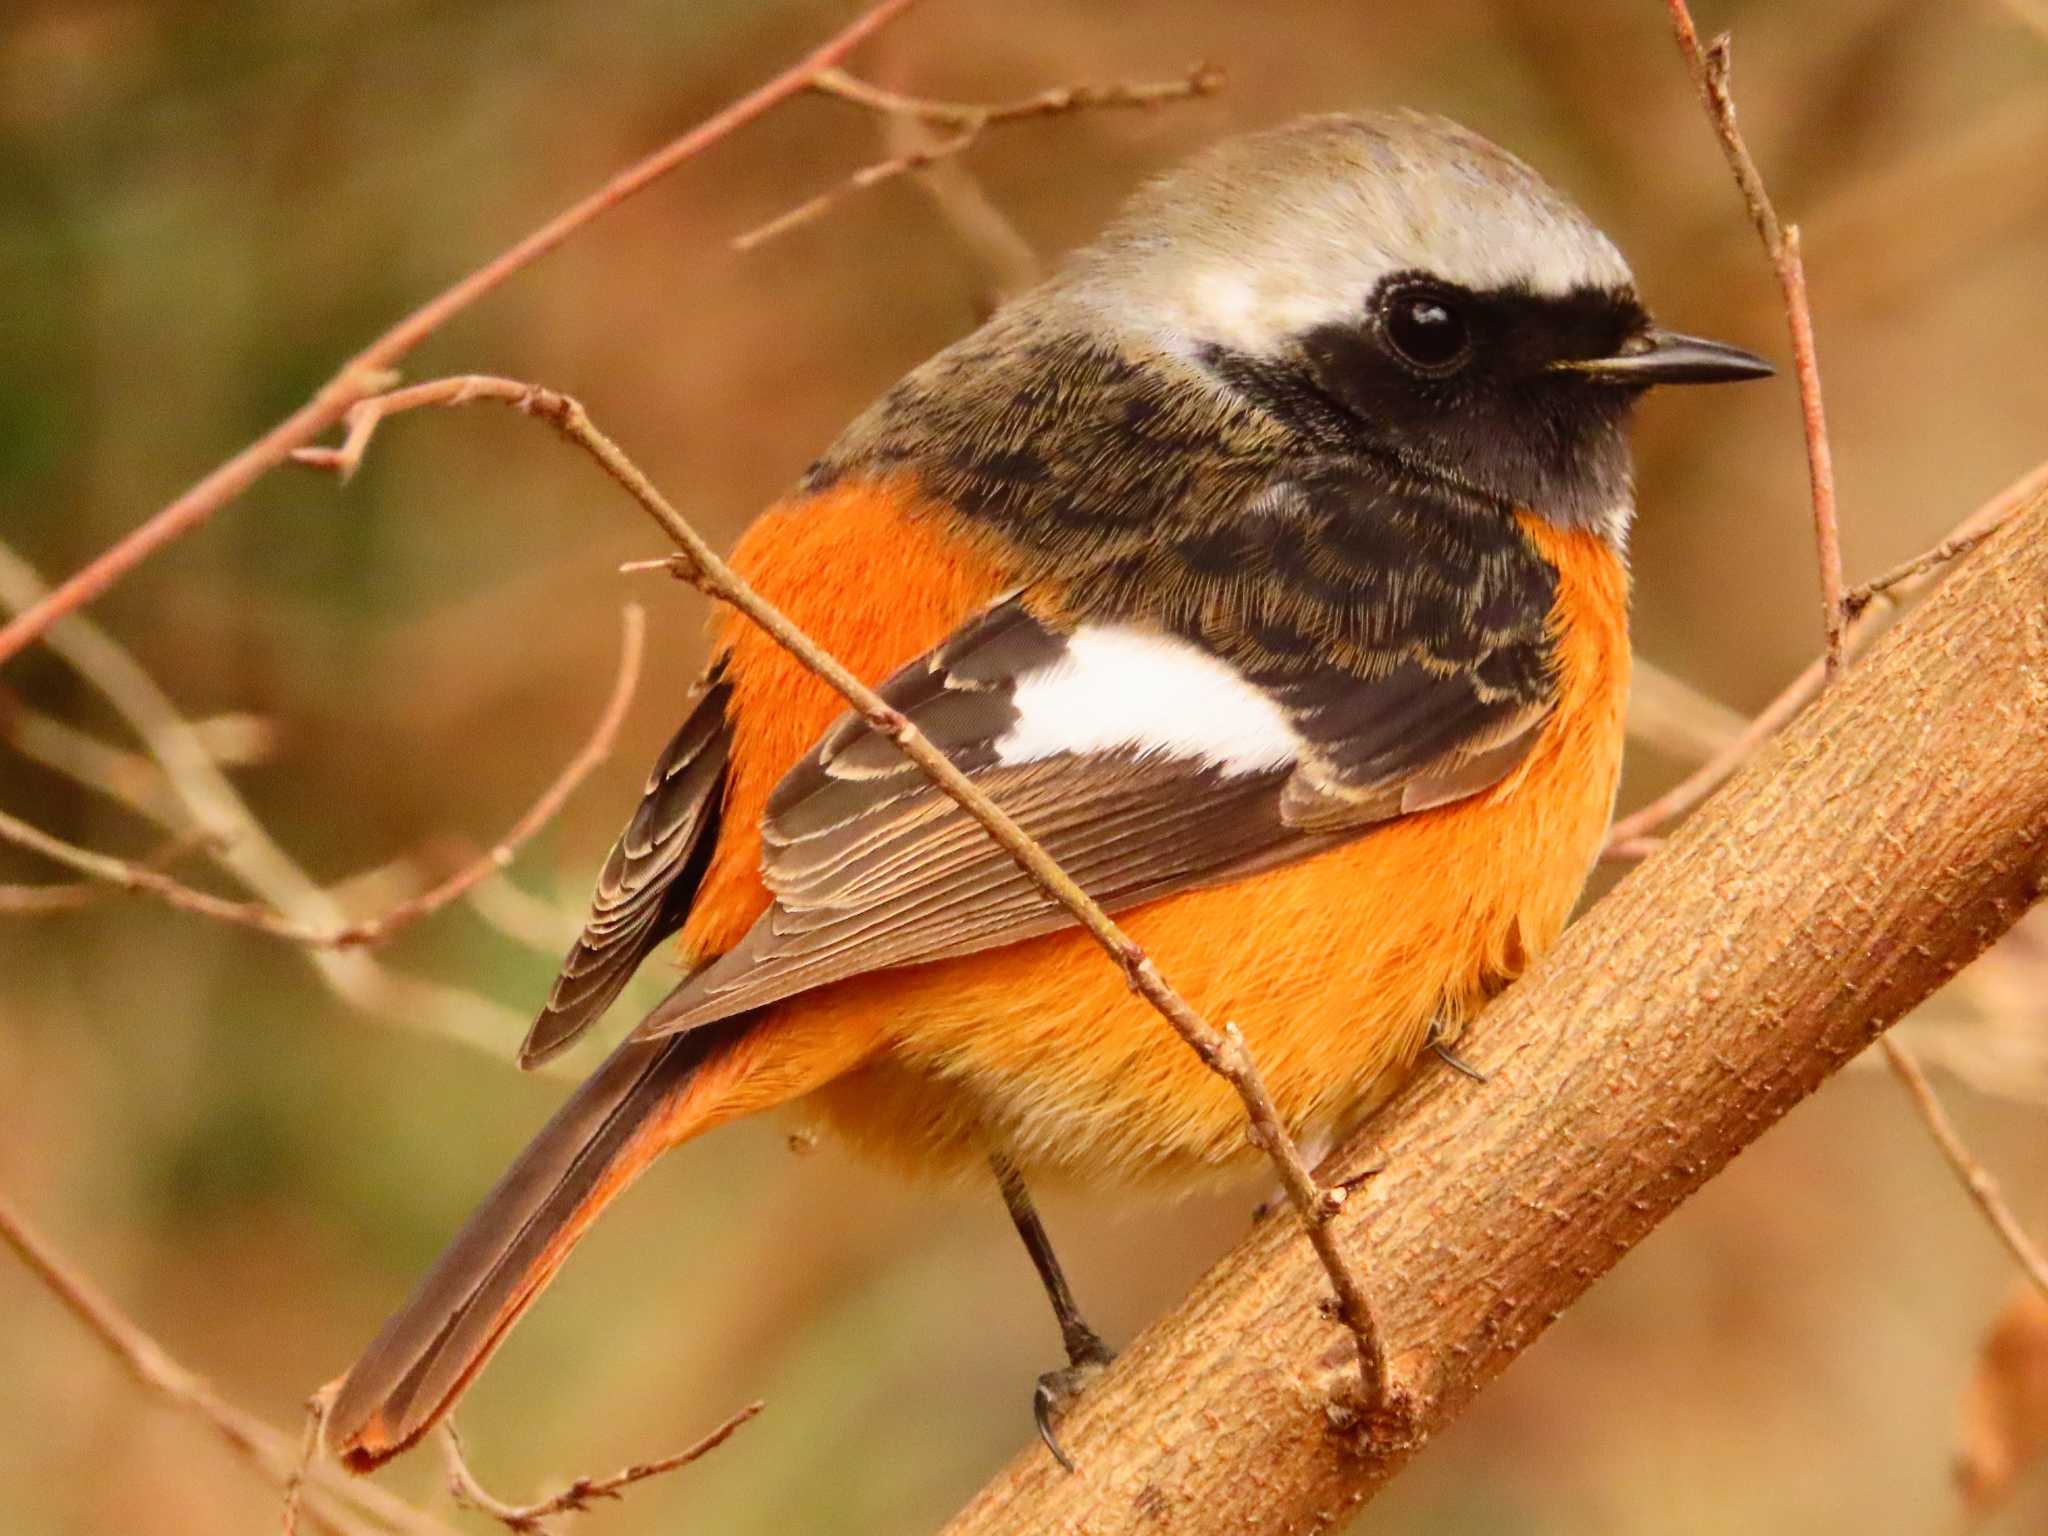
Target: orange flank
{"x":822,"y":560}
{"x":1334,"y":967}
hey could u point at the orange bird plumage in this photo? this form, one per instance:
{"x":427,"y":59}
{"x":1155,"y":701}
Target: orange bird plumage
{"x":1267,"y":563}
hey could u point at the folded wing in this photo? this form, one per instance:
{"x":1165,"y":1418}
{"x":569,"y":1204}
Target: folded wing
{"x":1142,"y":761}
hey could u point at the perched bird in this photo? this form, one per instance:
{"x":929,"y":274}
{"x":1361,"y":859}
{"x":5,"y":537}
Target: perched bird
{"x":1268,"y":564}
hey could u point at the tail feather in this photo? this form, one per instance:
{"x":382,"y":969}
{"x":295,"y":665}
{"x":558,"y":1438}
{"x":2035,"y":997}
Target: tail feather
{"x":644,"y":1099}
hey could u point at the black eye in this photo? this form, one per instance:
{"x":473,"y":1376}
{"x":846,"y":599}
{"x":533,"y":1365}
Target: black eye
{"x":1425,"y":328}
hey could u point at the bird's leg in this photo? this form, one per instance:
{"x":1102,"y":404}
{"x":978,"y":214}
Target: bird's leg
{"x":1086,"y":1353}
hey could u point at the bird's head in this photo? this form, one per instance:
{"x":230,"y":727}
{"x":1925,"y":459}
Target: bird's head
{"x":1395,"y":277}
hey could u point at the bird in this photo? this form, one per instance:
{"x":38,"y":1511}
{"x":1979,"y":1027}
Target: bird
{"x":1268,"y":563}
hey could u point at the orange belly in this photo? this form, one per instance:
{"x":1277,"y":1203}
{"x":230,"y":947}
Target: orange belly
{"x":1334,"y":968}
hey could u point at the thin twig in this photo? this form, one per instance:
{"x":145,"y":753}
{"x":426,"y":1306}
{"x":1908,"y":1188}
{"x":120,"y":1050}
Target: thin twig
{"x":131,"y":876}
{"x":1975,"y":1177}
{"x":1057,"y":101}
{"x":522,"y":916}
{"x":1223,"y":1051}
{"x":185,"y":794}
{"x":46,"y":900}
{"x":530,"y":1519}
{"x":368,"y":932}
{"x":1884,"y":598}
{"x":1709,"y":68}
{"x":369,"y":370}
{"x":347,"y":1505}
{"x":867,"y":176}
{"x":967,"y":122}
{"x":309,"y":1451}
{"x":1955,"y":546}
{"x":130,"y":779}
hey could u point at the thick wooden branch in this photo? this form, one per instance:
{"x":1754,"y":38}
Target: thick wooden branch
{"x":1865,"y":856}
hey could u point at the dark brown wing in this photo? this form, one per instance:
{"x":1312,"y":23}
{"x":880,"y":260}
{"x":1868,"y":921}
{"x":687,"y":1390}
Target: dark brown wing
{"x":648,"y":882}
{"x":1229,"y":766}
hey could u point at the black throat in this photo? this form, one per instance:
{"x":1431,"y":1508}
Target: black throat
{"x":1506,"y":427}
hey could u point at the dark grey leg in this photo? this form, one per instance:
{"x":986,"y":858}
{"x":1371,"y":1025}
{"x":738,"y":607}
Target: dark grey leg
{"x":1086,"y":1353}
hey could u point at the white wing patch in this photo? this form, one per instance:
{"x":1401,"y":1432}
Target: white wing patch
{"x":1120,"y":688}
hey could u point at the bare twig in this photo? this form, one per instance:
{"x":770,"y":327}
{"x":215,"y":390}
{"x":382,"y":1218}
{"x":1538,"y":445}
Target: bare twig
{"x":1059,"y":100}
{"x":1972,"y":531}
{"x":179,"y":786}
{"x":1223,"y":1051}
{"x":344,"y":1504}
{"x":1709,"y":68}
{"x":185,"y":793}
{"x":131,"y":876}
{"x":531,"y":1519}
{"x":1716,"y":770}
{"x":1875,"y":612}
{"x":309,"y":1451}
{"x":369,"y":370}
{"x":1975,"y":1177}
{"x":1630,"y":850}
{"x":964,"y":123}
{"x":47,"y":900}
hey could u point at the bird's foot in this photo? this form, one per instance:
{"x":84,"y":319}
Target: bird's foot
{"x":1088,"y":1357}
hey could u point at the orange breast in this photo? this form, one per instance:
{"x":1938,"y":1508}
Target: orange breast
{"x":1334,"y":967}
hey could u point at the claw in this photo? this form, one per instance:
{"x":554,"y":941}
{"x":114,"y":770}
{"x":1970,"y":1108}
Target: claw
{"x":1045,"y":1401}
{"x":1453,"y":1060}
{"x":1058,"y":1388}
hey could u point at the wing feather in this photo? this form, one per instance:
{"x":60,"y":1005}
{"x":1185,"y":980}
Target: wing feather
{"x":648,"y":881}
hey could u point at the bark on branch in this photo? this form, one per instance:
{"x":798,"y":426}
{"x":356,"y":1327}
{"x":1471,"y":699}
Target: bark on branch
{"x":1858,"y":862}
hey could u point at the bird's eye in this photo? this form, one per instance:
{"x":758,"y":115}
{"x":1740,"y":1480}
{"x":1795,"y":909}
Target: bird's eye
{"x":1425,"y":329}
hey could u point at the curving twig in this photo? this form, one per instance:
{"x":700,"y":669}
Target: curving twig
{"x":1975,"y":1177}
{"x":370,"y":369}
{"x":370,"y":931}
{"x":343,"y":1504}
{"x":531,"y":1519}
{"x":187,"y":795}
{"x":1709,"y":67}
{"x":1222,"y":1050}
{"x":964,"y":124}
{"x":1966,"y":538}
{"x":130,"y":876}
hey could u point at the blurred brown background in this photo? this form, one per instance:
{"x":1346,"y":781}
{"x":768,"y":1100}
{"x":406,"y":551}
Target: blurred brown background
{"x":204,"y":206}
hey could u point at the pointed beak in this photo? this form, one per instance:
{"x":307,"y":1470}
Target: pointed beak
{"x":1665,"y":357}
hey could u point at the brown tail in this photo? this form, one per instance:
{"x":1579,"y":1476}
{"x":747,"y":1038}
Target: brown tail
{"x":647,"y":1096}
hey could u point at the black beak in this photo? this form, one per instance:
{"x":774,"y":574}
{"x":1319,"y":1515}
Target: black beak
{"x":1665,"y":357}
